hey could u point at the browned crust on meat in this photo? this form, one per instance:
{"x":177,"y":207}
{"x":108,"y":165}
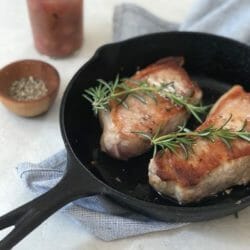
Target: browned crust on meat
{"x":147,"y":118}
{"x":207,"y":156}
{"x":234,"y":172}
{"x":174,"y":67}
{"x":173,"y":62}
{"x":150,"y":117}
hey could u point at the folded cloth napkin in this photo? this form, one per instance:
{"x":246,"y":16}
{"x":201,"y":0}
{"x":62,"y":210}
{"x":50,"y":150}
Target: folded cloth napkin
{"x":98,"y":214}
{"x":229,"y":18}
{"x":105,"y":219}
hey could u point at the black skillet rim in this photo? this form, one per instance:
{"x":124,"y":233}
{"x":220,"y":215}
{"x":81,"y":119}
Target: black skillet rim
{"x":182,"y":209}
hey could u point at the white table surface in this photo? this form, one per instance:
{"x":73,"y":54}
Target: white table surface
{"x":35,"y":139}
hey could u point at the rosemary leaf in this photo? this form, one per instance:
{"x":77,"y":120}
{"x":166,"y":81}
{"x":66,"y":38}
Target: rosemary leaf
{"x":140,"y":98}
{"x":245,"y":137}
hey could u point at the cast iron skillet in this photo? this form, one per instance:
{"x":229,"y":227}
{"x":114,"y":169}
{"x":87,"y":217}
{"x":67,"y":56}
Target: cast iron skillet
{"x":216,"y":63}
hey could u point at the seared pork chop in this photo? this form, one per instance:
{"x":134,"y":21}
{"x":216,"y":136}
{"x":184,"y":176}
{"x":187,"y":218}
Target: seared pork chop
{"x":212,"y":166}
{"x":118,"y":124}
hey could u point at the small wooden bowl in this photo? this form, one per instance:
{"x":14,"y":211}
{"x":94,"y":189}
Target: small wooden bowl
{"x":24,"y":69}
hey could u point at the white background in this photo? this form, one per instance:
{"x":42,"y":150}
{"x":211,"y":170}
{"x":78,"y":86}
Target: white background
{"x":35,"y":139}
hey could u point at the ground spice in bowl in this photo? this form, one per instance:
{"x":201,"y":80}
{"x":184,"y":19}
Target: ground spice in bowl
{"x":27,"y":89}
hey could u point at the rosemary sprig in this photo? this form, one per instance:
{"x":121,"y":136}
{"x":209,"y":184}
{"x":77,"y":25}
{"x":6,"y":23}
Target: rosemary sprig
{"x":101,"y":95}
{"x":196,"y":111}
{"x":118,"y":90}
{"x":184,"y":138}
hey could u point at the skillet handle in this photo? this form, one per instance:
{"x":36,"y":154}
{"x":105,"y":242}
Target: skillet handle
{"x":74,"y":184}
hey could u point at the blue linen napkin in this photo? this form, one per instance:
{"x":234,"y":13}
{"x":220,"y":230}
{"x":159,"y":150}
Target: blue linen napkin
{"x":229,"y":18}
{"x":105,"y":219}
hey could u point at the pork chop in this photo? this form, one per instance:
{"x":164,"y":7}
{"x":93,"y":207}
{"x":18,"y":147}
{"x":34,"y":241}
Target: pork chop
{"x":212,"y":166}
{"x":118,"y":124}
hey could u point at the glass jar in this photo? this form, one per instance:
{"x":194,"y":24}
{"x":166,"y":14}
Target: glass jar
{"x":57,"y":26}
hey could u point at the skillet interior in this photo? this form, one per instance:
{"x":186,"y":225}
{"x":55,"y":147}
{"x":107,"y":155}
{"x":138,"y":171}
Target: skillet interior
{"x":215,"y":63}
